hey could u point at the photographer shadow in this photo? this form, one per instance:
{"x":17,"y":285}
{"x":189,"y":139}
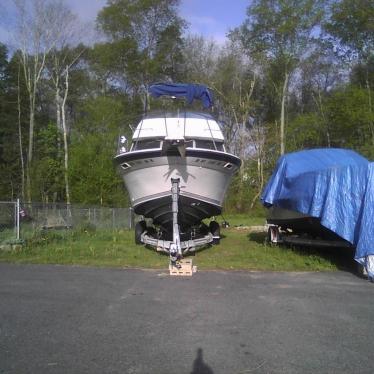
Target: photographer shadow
{"x":199,"y":366}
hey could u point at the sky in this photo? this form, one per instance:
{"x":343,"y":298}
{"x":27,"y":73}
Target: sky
{"x":211,"y":18}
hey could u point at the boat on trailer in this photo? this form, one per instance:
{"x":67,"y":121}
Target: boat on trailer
{"x":177,"y":172}
{"x":292,"y":227}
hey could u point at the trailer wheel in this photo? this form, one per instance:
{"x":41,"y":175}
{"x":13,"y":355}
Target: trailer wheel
{"x":273,"y":235}
{"x":215,"y":231}
{"x":140,"y":227}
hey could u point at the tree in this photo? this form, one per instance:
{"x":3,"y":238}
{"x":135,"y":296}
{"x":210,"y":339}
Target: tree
{"x":280,"y":33}
{"x":93,"y":177}
{"x":6,"y":133}
{"x":144,"y":41}
{"x":352,"y":26}
{"x":61,"y":61}
{"x":320,"y":73}
{"x":48,"y":170}
{"x":234,"y":82}
{"x":350,"y":120}
{"x":200,"y":58}
{"x":36,"y":33}
{"x":12,"y":125}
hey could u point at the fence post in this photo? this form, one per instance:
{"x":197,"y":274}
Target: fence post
{"x":130,"y":217}
{"x":17,"y":219}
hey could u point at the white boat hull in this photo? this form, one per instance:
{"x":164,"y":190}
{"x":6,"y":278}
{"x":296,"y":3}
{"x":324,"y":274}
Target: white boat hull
{"x":204,"y":179}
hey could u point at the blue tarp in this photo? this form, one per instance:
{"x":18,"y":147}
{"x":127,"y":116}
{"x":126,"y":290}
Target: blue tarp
{"x":334,"y":185}
{"x":188,"y":91}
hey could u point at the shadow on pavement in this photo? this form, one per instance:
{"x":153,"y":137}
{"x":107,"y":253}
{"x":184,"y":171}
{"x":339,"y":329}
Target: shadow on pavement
{"x":199,"y":366}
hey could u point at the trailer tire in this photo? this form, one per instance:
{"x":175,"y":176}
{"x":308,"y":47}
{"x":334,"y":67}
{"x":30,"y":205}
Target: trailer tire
{"x":140,"y":227}
{"x":215,"y":230}
{"x":273,"y":236}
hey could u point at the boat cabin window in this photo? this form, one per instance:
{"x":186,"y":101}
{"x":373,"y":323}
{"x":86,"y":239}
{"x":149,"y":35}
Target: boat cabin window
{"x":146,"y":144}
{"x":209,"y":144}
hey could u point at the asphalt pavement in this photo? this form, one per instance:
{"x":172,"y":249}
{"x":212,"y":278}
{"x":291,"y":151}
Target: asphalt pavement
{"x":67,"y":319}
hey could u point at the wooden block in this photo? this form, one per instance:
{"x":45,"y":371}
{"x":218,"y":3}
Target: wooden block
{"x":186,"y":268}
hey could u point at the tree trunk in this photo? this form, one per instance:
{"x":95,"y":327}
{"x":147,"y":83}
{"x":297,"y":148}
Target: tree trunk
{"x":239,"y":204}
{"x":66,"y":154}
{"x":260,"y":175}
{"x":59,"y":128}
{"x":58,"y":105}
{"x":30,"y":147}
{"x":325,"y":121}
{"x":20,"y":138}
{"x":282,"y":121}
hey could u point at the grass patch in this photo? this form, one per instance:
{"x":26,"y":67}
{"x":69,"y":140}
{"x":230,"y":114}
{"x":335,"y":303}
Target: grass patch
{"x":239,"y":250}
{"x":242,"y":220}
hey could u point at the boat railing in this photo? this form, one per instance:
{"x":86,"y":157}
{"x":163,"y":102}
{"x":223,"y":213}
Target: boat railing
{"x":166,"y":125}
{"x":139,"y":132}
{"x":184,"y":124}
{"x":211,"y":134}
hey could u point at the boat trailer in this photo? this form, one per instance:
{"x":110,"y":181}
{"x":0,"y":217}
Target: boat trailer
{"x":176,"y":248}
{"x":278,"y":236}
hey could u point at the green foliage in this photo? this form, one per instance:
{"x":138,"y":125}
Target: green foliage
{"x":47,"y":167}
{"x":104,"y":114}
{"x":352,"y":24}
{"x":348,"y":124}
{"x":6,"y":133}
{"x":92,"y":174}
{"x":279,"y":29}
{"x":145,"y":40}
{"x":306,"y":131}
{"x":93,"y":177}
{"x":351,"y":120}
{"x":243,"y":189}
{"x":362,"y":74}
{"x":10,"y":176}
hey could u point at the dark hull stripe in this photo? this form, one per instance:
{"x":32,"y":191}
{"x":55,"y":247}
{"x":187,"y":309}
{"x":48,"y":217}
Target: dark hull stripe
{"x":193,"y":197}
{"x":191,"y":211}
{"x":211,"y":155}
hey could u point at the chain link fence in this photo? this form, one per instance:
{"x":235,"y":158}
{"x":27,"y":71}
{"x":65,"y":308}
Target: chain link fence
{"x":23,"y":220}
{"x":9,"y":221}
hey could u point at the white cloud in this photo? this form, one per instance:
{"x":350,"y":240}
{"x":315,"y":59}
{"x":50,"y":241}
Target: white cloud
{"x":219,"y":38}
{"x":202,"y":20}
{"x":207,"y":26}
{"x":86,"y":9}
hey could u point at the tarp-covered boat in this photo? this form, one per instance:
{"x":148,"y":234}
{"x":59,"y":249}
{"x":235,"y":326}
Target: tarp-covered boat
{"x":335,"y":186}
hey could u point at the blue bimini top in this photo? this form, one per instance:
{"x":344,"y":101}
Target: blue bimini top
{"x":186,"y":90}
{"x":334,"y":185}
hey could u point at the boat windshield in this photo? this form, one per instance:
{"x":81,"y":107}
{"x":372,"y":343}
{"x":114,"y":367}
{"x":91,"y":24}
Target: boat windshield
{"x":191,"y":143}
{"x":146,"y":144}
{"x":209,"y":144}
